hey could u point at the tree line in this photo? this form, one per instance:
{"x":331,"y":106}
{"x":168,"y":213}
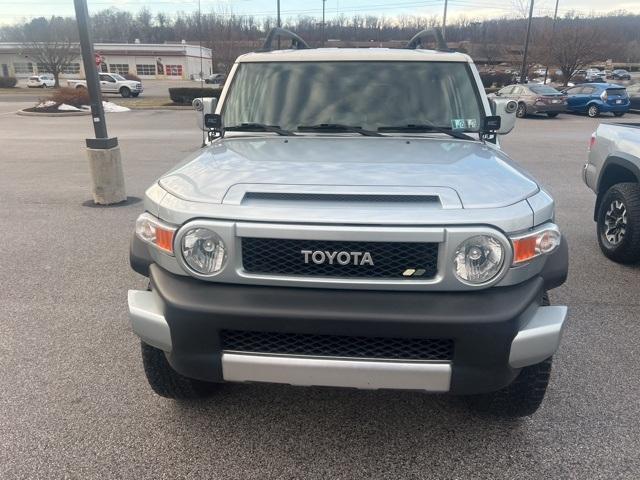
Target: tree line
{"x":571,"y":43}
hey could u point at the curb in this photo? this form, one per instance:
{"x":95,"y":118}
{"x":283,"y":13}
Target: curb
{"x":51,"y":114}
{"x":159,"y":107}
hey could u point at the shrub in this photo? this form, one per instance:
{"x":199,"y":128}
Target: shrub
{"x":186,"y":95}
{"x":499,"y":79}
{"x":132,"y":76}
{"x":71,"y":96}
{"x":8,"y":82}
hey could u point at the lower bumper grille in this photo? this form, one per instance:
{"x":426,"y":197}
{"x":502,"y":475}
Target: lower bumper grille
{"x":337,"y":345}
{"x":340,"y":259}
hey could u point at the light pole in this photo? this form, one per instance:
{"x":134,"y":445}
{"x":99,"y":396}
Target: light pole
{"x":553,"y":34}
{"x":105,"y":163}
{"x":444,"y":20}
{"x":323,"y":8}
{"x":278,"y":23}
{"x":523,"y":70}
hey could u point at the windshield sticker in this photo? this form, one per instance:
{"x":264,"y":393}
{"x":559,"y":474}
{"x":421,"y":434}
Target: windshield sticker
{"x":458,"y":124}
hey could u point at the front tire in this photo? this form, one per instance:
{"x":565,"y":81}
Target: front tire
{"x":618,"y":223}
{"x":125,"y":92}
{"x":521,"y":112}
{"x":168,"y":383}
{"x":552,"y":114}
{"x":593,"y":111}
{"x":134,"y":95}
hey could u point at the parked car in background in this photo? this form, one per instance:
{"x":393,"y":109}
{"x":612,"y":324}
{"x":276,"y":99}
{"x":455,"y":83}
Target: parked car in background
{"x":620,"y":74}
{"x":112,"y":83}
{"x":216,"y":79}
{"x":613,"y":173}
{"x":534,"y":99}
{"x":595,"y":75}
{"x":41,"y":81}
{"x":596,"y":98}
{"x":634,"y":96}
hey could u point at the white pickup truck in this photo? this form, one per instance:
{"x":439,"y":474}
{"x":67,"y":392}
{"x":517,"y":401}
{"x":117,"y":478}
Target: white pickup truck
{"x":112,"y":83}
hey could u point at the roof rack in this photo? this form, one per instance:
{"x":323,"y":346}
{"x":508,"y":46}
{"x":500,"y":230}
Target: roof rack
{"x":436,"y":33}
{"x":296,"y":42}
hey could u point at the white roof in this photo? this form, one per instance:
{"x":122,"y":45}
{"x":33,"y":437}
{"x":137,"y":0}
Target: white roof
{"x":354,"y":54}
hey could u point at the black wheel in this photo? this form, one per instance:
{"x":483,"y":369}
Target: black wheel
{"x":521,"y":398}
{"x":593,"y":111}
{"x":521,"y":112}
{"x":618,"y":114}
{"x":552,"y":114}
{"x":166,"y":382}
{"x":135,"y":94}
{"x":125,"y":92}
{"x":618,"y":223}
{"x":79,"y":87}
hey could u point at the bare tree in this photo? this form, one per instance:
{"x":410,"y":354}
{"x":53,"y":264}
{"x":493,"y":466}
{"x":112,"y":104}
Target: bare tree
{"x":575,"y":46}
{"x":51,"y":44}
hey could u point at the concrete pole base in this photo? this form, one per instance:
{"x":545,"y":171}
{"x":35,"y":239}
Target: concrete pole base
{"x":107,"y":177}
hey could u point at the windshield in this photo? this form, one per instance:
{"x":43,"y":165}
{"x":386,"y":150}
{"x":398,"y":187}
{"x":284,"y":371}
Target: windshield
{"x":120,"y":78}
{"x":543,"y":90}
{"x":363,"y":94}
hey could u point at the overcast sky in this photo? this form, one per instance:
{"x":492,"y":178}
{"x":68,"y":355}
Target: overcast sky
{"x":16,"y":10}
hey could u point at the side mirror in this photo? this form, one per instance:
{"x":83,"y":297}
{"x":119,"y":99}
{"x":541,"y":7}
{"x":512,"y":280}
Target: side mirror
{"x":204,"y":106}
{"x":213,"y":121}
{"x":505,"y":110}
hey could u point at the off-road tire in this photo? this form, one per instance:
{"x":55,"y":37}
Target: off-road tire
{"x":619,"y":114}
{"x":523,"y":396}
{"x":552,"y":114}
{"x":593,"y":111}
{"x":125,"y":92}
{"x":135,"y":94}
{"x":628,"y":248}
{"x":166,"y":382}
{"x":521,"y":111}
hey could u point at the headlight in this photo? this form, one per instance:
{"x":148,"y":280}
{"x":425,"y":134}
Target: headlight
{"x":479,"y":259}
{"x":204,"y":251}
{"x":155,"y":232}
{"x":540,"y":242}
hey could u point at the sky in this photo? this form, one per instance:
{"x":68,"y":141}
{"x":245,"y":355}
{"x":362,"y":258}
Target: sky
{"x":12,"y":11}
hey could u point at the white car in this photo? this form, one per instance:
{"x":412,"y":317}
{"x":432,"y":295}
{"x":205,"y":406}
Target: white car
{"x":41,"y":81}
{"x":112,"y":83}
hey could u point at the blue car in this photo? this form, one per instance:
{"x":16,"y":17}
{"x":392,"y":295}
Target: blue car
{"x":596,"y":98}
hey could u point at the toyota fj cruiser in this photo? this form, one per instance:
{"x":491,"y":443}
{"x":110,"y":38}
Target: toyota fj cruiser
{"x":351,"y":222}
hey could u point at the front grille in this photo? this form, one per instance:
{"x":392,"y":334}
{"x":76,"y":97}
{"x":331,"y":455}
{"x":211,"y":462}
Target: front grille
{"x":391,"y":260}
{"x":337,"y":345}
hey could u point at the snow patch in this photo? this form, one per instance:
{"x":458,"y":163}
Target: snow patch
{"x":48,"y":103}
{"x":110,"y":107}
{"x":68,"y":108}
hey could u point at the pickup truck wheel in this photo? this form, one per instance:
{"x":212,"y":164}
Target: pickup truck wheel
{"x":166,"y":382}
{"x":593,"y":111}
{"x":521,"y":112}
{"x":125,"y":92}
{"x":134,"y":95}
{"x":618,"y":223}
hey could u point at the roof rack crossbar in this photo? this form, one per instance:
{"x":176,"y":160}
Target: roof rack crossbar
{"x":296,"y":41}
{"x":436,"y":33}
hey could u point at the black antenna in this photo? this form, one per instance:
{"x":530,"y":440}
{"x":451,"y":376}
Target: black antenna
{"x":436,"y":33}
{"x":201,"y":72}
{"x":296,"y":42}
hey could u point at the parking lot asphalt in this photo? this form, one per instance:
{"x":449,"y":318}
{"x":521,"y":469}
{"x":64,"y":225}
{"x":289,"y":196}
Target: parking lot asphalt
{"x":74,"y":402}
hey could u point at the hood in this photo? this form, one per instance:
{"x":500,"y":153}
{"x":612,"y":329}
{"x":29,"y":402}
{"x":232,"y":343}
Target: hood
{"x":478,"y":175}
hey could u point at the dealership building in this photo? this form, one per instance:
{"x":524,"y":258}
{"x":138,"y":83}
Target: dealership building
{"x":148,"y":61}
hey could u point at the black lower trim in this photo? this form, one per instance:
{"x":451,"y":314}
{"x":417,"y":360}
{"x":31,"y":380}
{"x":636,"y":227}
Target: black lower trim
{"x":482,"y":324}
{"x":139,"y":257}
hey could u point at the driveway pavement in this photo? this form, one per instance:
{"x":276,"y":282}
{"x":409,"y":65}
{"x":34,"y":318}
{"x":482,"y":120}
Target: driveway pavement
{"x":75,"y":403}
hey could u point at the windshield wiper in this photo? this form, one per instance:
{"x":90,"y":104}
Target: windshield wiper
{"x":418,"y":128}
{"x":338,"y":127}
{"x":260,"y":127}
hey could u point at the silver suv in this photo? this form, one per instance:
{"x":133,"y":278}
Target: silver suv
{"x":351,"y":222}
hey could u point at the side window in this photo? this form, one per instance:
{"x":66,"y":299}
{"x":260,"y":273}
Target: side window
{"x":517,"y":91}
{"x":574,"y":90}
{"x":107,"y":78}
{"x":588,"y":90}
{"x":506,"y":90}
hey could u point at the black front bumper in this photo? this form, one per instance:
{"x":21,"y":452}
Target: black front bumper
{"x":482,"y":324}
